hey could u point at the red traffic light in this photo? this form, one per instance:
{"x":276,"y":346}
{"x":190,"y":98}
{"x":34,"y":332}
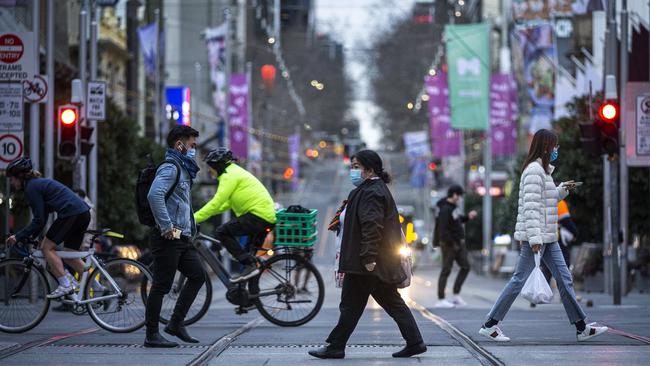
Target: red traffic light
{"x":68,"y":115}
{"x":433,"y":166}
{"x":609,"y":111}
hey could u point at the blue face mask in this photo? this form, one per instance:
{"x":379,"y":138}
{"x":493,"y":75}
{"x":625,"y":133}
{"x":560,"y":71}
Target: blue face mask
{"x":191,"y":153}
{"x":355,"y":177}
{"x":554,"y":154}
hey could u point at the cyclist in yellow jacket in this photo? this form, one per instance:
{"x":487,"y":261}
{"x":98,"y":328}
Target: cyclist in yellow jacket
{"x":252,"y":204}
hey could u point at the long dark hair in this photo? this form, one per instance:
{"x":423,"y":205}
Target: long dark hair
{"x":543,"y":143}
{"x":371,"y":160}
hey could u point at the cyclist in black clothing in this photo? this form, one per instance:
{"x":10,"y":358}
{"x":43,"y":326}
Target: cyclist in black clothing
{"x":46,"y":196}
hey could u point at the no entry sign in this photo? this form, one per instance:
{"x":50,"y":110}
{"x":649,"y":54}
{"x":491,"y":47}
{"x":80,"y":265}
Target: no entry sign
{"x":17,"y":56}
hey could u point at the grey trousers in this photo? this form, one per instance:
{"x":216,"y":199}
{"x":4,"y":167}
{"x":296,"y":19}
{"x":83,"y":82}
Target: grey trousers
{"x":554,"y":260}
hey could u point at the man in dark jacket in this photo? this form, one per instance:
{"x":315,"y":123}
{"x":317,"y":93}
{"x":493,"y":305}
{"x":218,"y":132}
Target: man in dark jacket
{"x":450,"y":236}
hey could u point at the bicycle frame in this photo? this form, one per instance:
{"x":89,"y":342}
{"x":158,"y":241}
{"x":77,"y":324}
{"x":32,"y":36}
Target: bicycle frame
{"x":91,"y":261}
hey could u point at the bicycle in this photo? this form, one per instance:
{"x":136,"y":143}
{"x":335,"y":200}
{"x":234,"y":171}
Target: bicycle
{"x":115,"y":307}
{"x":271,"y":292}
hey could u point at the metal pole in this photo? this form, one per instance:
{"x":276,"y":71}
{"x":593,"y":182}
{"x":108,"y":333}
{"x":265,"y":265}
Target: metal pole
{"x":504,"y":54}
{"x":49,"y":106}
{"x":92,"y":163}
{"x":79,"y":181}
{"x":228,"y":44}
{"x":34,"y":118}
{"x":624,"y":193}
{"x":156,"y":99}
{"x":241,"y":36}
{"x":276,"y":22}
{"x":198,"y":92}
{"x":487,"y":201}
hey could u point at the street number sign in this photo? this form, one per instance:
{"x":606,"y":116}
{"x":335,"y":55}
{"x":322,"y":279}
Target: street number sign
{"x":11,"y":148}
{"x":11,"y":107}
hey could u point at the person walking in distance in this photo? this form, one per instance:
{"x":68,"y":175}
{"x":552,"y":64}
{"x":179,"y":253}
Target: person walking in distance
{"x":370,"y":259}
{"x":450,"y":236}
{"x":537,"y":232}
{"x":170,"y":240}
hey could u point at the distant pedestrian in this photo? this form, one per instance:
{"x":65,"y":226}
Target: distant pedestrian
{"x":370,"y":259}
{"x":450,"y":236}
{"x":536,"y":229}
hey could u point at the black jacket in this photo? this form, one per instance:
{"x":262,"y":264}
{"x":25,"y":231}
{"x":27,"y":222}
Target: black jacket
{"x":372,"y":233}
{"x":449,"y":224}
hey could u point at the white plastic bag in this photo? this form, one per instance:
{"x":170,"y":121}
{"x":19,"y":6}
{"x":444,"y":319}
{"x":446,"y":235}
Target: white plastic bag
{"x":536,"y":289}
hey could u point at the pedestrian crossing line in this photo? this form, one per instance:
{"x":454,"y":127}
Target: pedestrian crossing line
{"x":481,"y":354}
{"x":222,"y":343}
{"x":44,"y":342}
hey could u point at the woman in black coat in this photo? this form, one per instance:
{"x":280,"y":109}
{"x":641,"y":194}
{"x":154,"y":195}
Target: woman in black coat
{"x":370,"y":258}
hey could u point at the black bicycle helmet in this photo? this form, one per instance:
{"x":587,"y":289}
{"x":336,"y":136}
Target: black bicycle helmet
{"x":219,"y":157}
{"x":19,"y":166}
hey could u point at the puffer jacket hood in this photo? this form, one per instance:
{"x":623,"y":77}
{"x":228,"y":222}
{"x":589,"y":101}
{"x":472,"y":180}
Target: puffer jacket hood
{"x":537,"y":215}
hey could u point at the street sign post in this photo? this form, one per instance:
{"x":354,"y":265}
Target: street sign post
{"x":96,"y":101}
{"x":11,"y":107}
{"x":17,"y":55}
{"x":11,"y":148}
{"x":35,"y":90}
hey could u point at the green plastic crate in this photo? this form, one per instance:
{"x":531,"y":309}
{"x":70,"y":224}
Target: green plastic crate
{"x":296,"y":229}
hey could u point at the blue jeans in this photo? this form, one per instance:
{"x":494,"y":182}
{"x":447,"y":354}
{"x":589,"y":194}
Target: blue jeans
{"x":554,"y":260}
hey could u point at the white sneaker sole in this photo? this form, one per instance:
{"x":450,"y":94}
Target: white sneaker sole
{"x":494,"y":339}
{"x":58,"y":296}
{"x":603,"y":331}
{"x":244,"y":278}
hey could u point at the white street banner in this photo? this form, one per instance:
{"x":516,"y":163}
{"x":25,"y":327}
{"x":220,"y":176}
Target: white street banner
{"x":216,"y":42}
{"x":11,"y":107}
{"x":17,"y":56}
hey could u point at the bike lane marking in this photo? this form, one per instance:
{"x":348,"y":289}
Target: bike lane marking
{"x":45,"y":342}
{"x":222,"y":343}
{"x":481,"y":354}
{"x":622,"y":333}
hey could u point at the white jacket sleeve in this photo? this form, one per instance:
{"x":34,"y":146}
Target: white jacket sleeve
{"x":562,"y":192}
{"x":533,"y":207}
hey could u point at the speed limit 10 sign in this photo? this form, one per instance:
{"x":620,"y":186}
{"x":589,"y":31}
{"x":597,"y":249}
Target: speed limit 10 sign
{"x":11,"y":148}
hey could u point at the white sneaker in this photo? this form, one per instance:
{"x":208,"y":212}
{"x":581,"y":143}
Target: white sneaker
{"x":444,"y":304}
{"x":60,"y":292}
{"x":458,"y":301}
{"x":591,"y":331}
{"x":493,"y":333}
{"x":73,"y":281}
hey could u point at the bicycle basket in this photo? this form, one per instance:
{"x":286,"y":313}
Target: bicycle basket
{"x":296,"y":229}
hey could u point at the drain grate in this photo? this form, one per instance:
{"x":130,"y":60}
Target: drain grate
{"x":118,"y":346}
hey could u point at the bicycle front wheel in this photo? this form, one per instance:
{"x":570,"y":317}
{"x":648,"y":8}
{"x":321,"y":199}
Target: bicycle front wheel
{"x":125,"y":313}
{"x":290,"y":290}
{"x":199,"y":307}
{"x":23,"y":296}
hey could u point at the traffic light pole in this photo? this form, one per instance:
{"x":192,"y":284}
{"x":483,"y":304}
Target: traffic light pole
{"x":92,"y":159}
{"x":49,"y":107}
{"x":624,"y":190}
{"x":34,"y":118}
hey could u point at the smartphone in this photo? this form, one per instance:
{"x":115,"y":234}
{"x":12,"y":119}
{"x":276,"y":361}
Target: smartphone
{"x":176,"y":233}
{"x":578,"y":184}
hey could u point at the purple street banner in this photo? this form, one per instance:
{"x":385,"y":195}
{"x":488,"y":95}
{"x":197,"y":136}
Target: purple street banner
{"x":536,"y":48}
{"x":238,"y":116}
{"x":294,"y":158}
{"x":445,"y":141}
{"x":416,"y":146}
{"x":503,"y":115}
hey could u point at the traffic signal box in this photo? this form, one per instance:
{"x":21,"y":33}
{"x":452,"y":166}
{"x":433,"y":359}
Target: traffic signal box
{"x":69,"y":129}
{"x":600,"y":136}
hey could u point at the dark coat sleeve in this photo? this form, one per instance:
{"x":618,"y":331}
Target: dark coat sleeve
{"x":446,"y":222}
{"x":371,"y":219}
{"x":37,"y":204}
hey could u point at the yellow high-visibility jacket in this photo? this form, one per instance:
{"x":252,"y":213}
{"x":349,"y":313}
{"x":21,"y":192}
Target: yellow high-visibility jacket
{"x":242,"y":192}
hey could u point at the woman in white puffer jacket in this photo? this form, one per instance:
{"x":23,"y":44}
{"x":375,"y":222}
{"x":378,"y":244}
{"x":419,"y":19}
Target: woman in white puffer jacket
{"x":537,"y":229}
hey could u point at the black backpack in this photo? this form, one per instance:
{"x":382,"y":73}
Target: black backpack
{"x":142,"y":187}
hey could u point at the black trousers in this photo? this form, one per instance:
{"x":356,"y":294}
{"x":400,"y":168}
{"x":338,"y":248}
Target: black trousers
{"x":244,"y":225}
{"x":170,"y":255}
{"x":354,"y":298}
{"x":453,"y":252}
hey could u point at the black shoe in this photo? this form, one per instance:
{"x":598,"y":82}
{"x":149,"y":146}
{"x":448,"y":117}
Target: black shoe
{"x":327,"y":352}
{"x":409,"y":351}
{"x":155,"y":340}
{"x":533,"y":305}
{"x":249,"y":271}
{"x":178,"y":330}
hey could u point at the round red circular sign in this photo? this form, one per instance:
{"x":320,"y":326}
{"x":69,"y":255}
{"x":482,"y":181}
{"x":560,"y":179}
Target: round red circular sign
{"x":11,"y":48}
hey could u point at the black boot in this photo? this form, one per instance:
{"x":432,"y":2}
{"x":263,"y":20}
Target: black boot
{"x":328,"y":352}
{"x":155,"y":340}
{"x":177,"y":329}
{"x":409,"y":351}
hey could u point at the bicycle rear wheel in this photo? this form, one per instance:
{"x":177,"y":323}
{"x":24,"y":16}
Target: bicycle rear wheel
{"x":120,"y":314}
{"x":291,"y":290}
{"x":23,"y":296}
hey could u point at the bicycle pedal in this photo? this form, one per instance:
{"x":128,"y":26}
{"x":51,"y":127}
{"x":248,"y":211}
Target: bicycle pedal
{"x":241,"y":310}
